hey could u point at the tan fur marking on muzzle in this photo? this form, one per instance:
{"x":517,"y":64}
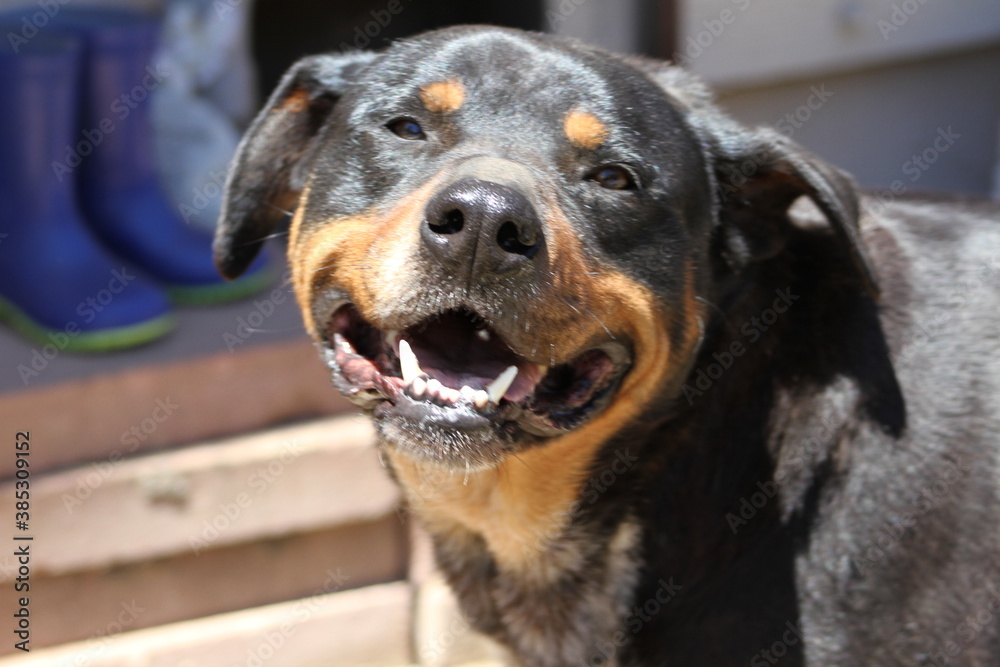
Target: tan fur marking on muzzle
{"x":525,"y":503}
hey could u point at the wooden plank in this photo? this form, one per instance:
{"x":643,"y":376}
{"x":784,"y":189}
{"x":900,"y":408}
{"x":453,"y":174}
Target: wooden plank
{"x":359,"y":628}
{"x":147,"y":408}
{"x":77,"y":606}
{"x":288,"y":480}
{"x":443,"y":636}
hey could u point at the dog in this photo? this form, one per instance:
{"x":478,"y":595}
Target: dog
{"x":663,"y":389}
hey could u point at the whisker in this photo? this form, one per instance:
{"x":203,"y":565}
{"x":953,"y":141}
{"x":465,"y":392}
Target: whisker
{"x":599,"y":321}
{"x":280,"y":210}
{"x":701,"y":333}
{"x":523,"y":462}
{"x":710,"y":304}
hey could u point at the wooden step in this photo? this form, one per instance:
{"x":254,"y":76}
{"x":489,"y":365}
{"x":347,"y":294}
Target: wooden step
{"x":359,"y":628}
{"x":265,"y":485}
{"x":112,"y":415}
{"x":207,"y":528}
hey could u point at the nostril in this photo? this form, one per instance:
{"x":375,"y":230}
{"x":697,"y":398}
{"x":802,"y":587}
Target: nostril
{"x":451,"y":222}
{"x":509,"y":238}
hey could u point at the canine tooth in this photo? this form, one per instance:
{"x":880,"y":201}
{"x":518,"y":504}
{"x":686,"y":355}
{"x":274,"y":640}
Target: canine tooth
{"x":418,"y":387}
{"x":499,"y":387}
{"x":408,"y":362}
{"x":483,"y":335}
{"x":480,"y":398}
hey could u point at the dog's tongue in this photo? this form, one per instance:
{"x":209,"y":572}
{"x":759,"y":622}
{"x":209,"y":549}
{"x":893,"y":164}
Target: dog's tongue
{"x":457,"y":352}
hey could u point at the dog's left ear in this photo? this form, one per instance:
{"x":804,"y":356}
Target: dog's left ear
{"x":758,"y":175}
{"x":269,"y":168}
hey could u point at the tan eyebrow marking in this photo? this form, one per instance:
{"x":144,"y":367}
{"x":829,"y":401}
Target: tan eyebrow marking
{"x":584,"y":129}
{"x":443,"y":96}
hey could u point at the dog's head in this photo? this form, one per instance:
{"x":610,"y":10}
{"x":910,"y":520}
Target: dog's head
{"x":502,"y":238}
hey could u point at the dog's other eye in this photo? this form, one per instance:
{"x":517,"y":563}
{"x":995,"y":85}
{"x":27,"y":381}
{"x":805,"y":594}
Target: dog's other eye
{"x":613,"y":177}
{"x":406,"y":128}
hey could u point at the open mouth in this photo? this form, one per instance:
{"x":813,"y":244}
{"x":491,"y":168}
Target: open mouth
{"x":454,"y":370}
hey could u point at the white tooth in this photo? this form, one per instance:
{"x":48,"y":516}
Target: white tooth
{"x":390,"y":336}
{"x":483,"y":335}
{"x":499,"y":387}
{"x":408,"y":362}
{"x":434,"y":388}
{"x":450,"y":395}
{"x":480,"y":399}
{"x":467,"y":392}
{"x":418,"y":387}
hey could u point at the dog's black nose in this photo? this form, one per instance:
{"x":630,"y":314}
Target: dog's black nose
{"x":480,"y":227}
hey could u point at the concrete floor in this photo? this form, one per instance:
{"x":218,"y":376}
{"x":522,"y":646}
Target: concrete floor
{"x":199,"y":331}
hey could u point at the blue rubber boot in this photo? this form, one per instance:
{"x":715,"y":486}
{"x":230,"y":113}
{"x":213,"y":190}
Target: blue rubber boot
{"x":120,"y":192}
{"x":58,"y":284}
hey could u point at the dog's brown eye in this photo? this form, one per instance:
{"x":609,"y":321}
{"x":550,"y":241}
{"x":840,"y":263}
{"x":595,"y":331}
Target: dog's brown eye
{"x":407,"y":128}
{"x":613,"y":177}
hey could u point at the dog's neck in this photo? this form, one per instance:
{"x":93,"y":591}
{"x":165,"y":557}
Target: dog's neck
{"x":557,"y":545}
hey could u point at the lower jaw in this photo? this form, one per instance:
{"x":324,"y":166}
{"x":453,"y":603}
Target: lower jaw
{"x":457,"y":440}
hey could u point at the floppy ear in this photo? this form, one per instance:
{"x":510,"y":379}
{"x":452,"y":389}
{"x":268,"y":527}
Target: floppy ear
{"x":269,"y":168}
{"x":759,"y":175}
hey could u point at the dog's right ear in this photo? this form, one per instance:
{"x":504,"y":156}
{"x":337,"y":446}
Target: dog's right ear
{"x":268,"y":171}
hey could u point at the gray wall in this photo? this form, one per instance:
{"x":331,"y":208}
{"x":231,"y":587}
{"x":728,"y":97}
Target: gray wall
{"x":874,"y":121}
{"x":888,"y":80}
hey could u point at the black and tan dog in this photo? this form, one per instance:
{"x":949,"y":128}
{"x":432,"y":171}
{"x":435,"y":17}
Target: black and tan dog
{"x":663,"y":389}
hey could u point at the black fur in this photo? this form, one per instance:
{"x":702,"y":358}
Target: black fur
{"x":818,"y":484}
